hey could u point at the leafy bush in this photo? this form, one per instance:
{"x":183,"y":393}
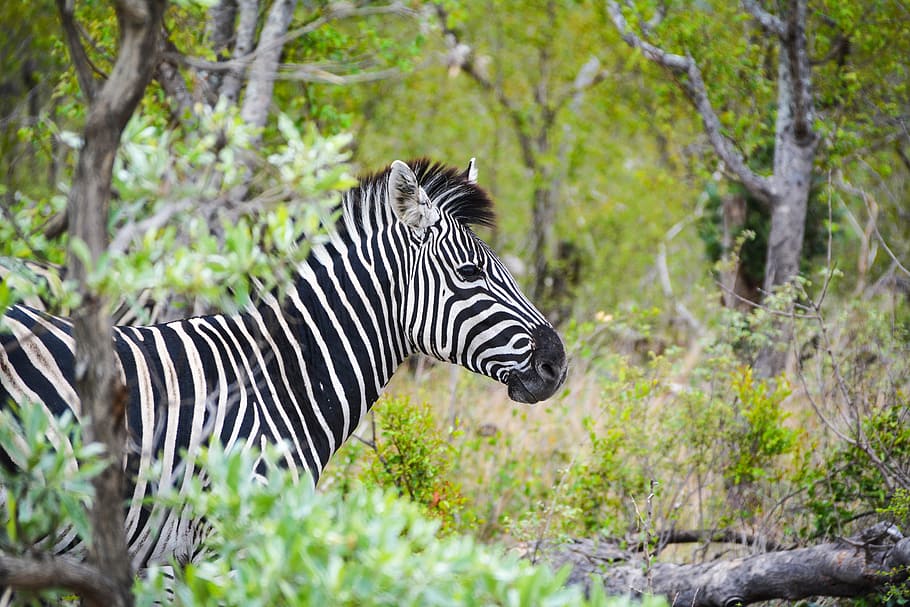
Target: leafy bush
{"x":414,"y":455}
{"x":176,"y":230}
{"x":280,"y":543}
{"x":271,"y":540}
{"x":859,"y":374}
{"x":44,"y":499}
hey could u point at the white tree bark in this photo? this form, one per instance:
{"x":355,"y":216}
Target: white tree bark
{"x":264,"y":69}
{"x":248,"y":11}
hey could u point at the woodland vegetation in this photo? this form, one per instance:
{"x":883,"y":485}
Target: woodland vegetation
{"x":711,"y":199}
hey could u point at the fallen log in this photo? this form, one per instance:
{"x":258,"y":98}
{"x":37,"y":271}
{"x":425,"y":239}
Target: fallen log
{"x":845,"y":567}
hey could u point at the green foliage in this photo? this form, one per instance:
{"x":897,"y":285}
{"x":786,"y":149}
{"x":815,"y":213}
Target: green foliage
{"x":178,"y":236}
{"x":616,"y":192}
{"x":190,"y":255}
{"x":865,"y":371}
{"x":898,"y":508}
{"x":752,"y":253}
{"x":33,"y":284}
{"x":282,"y":544}
{"x":719,"y":443}
{"x":413,"y":455}
{"x":649,"y":398}
{"x":44,"y":500}
{"x":617,"y":470}
{"x":45,"y":497}
{"x":758,"y":428}
{"x":513,"y":475}
{"x":858,"y":478}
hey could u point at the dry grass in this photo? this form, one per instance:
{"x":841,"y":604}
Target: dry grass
{"x":519,"y":465}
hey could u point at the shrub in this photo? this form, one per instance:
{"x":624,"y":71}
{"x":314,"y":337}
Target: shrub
{"x":43,"y":501}
{"x":413,"y":455}
{"x":281,"y":543}
{"x":45,"y":497}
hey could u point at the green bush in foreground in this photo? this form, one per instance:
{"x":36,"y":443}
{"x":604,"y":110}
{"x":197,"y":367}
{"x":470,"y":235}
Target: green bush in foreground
{"x":274,"y":540}
{"x":279,"y":542}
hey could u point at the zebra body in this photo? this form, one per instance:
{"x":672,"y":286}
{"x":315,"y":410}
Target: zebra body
{"x":400,"y":273}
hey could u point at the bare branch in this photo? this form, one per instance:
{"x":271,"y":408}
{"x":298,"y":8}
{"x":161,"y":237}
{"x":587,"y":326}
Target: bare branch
{"x":651,"y":24}
{"x":760,"y":187}
{"x":589,"y":76}
{"x":664,"y":273}
{"x":677,"y":63}
{"x":866,"y":198}
{"x":261,"y":82}
{"x":57,"y":572}
{"x":902,"y":154}
{"x":265,"y":46}
{"x":220,"y":26}
{"x":715,"y":536}
{"x":313,"y":73}
{"x":55,"y":226}
{"x":838,"y":52}
{"x":770,"y":23}
{"x":136,"y":229}
{"x":81,"y":63}
{"x":263,"y":61}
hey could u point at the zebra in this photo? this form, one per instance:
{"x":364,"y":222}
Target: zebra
{"x":401,"y":272}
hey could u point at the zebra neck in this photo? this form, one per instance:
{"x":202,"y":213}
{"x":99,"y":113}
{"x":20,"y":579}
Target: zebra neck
{"x":337,"y":333}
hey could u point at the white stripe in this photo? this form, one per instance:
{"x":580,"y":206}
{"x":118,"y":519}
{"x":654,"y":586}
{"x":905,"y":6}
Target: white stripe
{"x":281,"y":406}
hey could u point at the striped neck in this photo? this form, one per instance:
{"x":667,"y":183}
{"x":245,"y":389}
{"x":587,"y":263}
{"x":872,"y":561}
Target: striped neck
{"x":344,"y":319}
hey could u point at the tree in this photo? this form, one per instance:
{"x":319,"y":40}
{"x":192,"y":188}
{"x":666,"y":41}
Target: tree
{"x":786,"y":190}
{"x":108,"y":579}
{"x":535,"y":117}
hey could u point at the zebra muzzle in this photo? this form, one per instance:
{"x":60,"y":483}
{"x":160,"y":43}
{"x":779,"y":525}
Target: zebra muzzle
{"x":547,"y":370}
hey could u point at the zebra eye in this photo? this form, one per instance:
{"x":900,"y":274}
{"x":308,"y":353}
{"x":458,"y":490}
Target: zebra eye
{"x":470,"y":272}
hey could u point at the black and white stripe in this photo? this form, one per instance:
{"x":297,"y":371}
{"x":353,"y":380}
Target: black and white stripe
{"x":402,"y":272}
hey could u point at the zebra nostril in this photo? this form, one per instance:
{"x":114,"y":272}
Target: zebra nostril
{"x":547,"y":371}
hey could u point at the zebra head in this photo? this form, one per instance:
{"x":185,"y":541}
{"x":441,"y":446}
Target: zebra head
{"x":461,"y":303}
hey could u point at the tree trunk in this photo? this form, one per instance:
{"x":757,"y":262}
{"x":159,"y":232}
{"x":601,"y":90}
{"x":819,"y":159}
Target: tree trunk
{"x":787,"y":192}
{"x":244,"y":39}
{"x":737,"y":290}
{"x":794,"y":157}
{"x":220,"y":30}
{"x":97,"y":383}
{"x":264,"y":68}
{"x":851,"y":567}
{"x":541,"y":240}
{"x":101,"y":395}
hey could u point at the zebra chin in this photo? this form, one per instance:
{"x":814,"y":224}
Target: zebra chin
{"x":546,"y":373}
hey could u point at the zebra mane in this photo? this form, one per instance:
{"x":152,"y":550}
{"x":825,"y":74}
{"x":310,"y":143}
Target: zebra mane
{"x":456,"y":196}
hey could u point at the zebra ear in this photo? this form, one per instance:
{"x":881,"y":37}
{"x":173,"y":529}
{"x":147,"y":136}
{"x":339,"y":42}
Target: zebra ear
{"x":411,"y":204}
{"x":470,"y":173}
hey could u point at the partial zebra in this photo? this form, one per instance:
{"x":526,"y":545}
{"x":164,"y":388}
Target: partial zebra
{"x":401,"y":272}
